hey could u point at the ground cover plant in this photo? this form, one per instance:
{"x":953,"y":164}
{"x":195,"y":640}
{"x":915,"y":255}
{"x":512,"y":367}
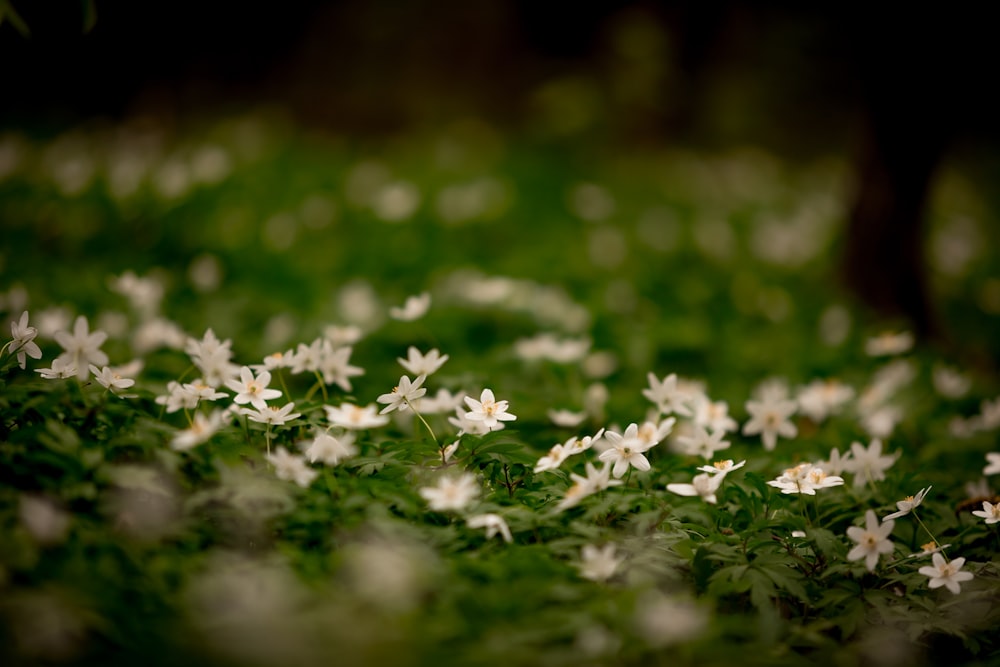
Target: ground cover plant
{"x":270,"y":397}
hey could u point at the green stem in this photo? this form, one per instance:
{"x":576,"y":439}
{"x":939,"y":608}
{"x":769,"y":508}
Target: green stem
{"x":424,"y":422}
{"x":322,"y":386}
{"x":284,"y":387}
{"x":927,"y":530}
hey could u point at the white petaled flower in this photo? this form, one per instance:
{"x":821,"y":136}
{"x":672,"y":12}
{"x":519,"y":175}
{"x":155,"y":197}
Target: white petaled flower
{"x":704,"y":485}
{"x":413,"y":308}
{"x":626,"y":451}
{"x":464,"y":425}
{"x":443,"y":401}
{"x":713,"y":415}
{"x":599,"y":564}
{"x":822,"y":398}
{"x":291,"y":467}
{"x":950,"y":383}
{"x":868,"y":463}
{"x":872,"y":540}
{"x":805,"y":478}
{"x":494,"y":525}
{"x":82,"y":348}
{"x":422,"y":364}
{"x":651,"y":433}
{"x":353,"y":417}
{"x":202,"y":428}
{"x":703,"y":444}
{"x":566,"y":418}
{"x":331,"y":450}
{"x":992,"y":461}
{"x":722,"y":467}
{"x":946,"y":573}
{"x":111,"y":380}
{"x":203,"y":392}
{"x":403,"y":394}
{"x":488,"y":410}
{"x":335,"y":367}
{"x":275,"y":360}
{"x":553,"y":459}
{"x":252,"y":390}
{"x":272,"y":415}
{"x":666,"y":396}
{"x":889,"y":343}
{"x":908,"y":504}
{"x":451,"y":493}
{"x":771,"y":418}
{"x":343,"y":335}
{"x":583,"y":486}
{"x":23,"y":341}
{"x":60,"y":370}
{"x":578,"y":445}
{"x":990,"y":512}
{"x":835,"y":464}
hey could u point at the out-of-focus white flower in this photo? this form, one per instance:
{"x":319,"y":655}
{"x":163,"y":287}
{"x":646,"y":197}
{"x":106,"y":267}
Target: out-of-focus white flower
{"x":822,"y":398}
{"x":494,"y":525}
{"x":422,"y":364}
{"x":889,"y":343}
{"x":413,"y":308}
{"x":202,"y":428}
{"x":291,"y":467}
{"x":868,"y":463}
{"x":331,"y":450}
{"x":599,"y":564}
{"x":82,"y":348}
{"x":771,"y":418}
{"x":566,"y":418}
{"x":451,"y":493}
{"x":950,"y":383}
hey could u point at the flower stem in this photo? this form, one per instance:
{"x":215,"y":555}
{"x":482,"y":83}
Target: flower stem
{"x":322,"y":386}
{"x":424,"y":422}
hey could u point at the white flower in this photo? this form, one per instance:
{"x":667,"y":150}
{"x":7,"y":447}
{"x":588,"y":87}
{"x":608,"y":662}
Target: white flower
{"x":343,"y":335}
{"x":451,"y":493}
{"x":666,"y":396}
{"x":272,"y":415}
{"x":722,"y":468}
{"x":770,"y":418}
{"x":805,"y":478}
{"x":992,"y":461}
{"x":889,"y":343}
{"x":350,"y":416}
{"x":292,"y":468}
{"x":599,"y":564}
{"x":835,"y":464}
{"x":61,"y":369}
{"x":594,"y":481}
{"x":990,"y":512}
{"x":663,"y":621}
{"x":868,"y":464}
{"x":494,"y":525}
{"x":111,"y":380}
{"x":443,"y":401}
{"x":422,"y":364}
{"x":465,"y":425}
{"x":202,"y":428}
{"x":944,"y":573}
{"x":713,"y":415}
{"x":553,"y":459}
{"x":23,"y":342}
{"x":704,"y":485}
{"x":331,"y":450}
{"x":822,"y":398}
{"x":488,"y":410}
{"x":566,"y":418}
{"x":334,"y":364}
{"x":950,"y":383}
{"x":626,"y":450}
{"x":403,"y":394}
{"x":413,"y":308}
{"x":908,"y":504}
{"x":252,"y":390}
{"x":703,"y":444}
{"x":82,"y":347}
{"x":873,"y":540}
{"x":651,"y":433}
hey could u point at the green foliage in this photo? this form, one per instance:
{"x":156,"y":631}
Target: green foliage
{"x":117,"y":542}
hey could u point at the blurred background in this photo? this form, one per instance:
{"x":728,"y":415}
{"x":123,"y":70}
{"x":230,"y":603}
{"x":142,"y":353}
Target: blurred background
{"x":715,"y":118}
